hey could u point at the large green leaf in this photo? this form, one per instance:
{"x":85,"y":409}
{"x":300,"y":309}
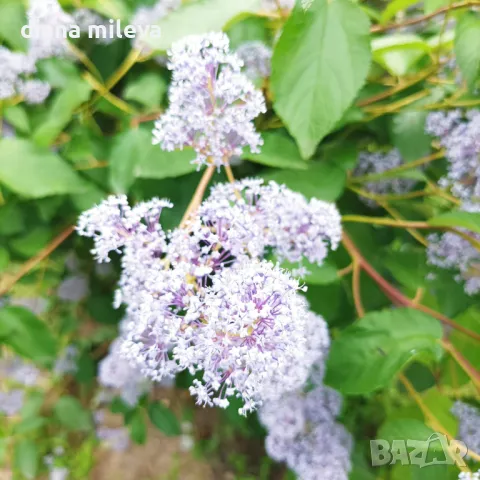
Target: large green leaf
{"x":159,"y":164}
{"x":319,"y":65}
{"x":138,"y":427}
{"x":60,"y":114}
{"x":12,"y":19}
{"x":71,"y":414}
{"x":27,"y":335}
{"x":128,"y":149}
{"x":459,"y":219}
{"x":324,"y":180}
{"x":26,"y":458}
{"x":35,"y":172}
{"x":407,"y":429}
{"x":399,"y":52}
{"x":278,"y":150}
{"x":394,"y":7}
{"x":148,"y":89}
{"x":467,"y":47}
{"x":164,"y":419}
{"x":368,"y":354}
{"x":200,"y":17}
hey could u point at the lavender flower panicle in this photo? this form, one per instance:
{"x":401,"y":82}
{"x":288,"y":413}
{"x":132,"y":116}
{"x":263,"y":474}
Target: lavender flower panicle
{"x":116,"y":373}
{"x":47,"y":22}
{"x":11,"y":402}
{"x":212,"y":104}
{"x":469,"y":476}
{"x":469,"y":425}
{"x":303,"y":433}
{"x":378,"y":162}
{"x":256,"y":57}
{"x":13,"y":68}
{"x":201,"y":297}
{"x":34,"y":91}
{"x":117,"y":439}
{"x":450,"y":251}
{"x":459,"y":134}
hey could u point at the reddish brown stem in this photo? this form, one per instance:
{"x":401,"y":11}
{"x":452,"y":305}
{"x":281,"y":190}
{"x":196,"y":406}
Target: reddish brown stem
{"x":395,"y":295}
{"x":423,"y":18}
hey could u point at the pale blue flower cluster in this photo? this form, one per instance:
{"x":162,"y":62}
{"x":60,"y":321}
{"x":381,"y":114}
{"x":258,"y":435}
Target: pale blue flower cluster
{"x":203,"y":298}
{"x":212,"y":103}
{"x":370,"y":163}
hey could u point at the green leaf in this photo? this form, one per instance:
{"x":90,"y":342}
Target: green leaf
{"x":26,"y":458}
{"x":4,"y":258}
{"x":458,"y":219}
{"x":16,"y":116}
{"x":318,"y":275}
{"x":319,"y":65}
{"x":58,"y":72}
{"x":278,"y":150}
{"x":148,"y":89}
{"x":200,"y":17}
{"x":35,"y":172}
{"x":164,"y":419}
{"x":394,"y":7}
{"x":399,"y":52}
{"x":12,"y":219}
{"x":60,"y":113}
{"x":32,"y":405}
{"x":407,"y":429}
{"x":408,"y":135}
{"x":70,"y":413}
{"x":368,"y":354}
{"x":159,"y":164}
{"x":32,"y":242}
{"x":248,"y":30}
{"x":138,"y":427}
{"x":128,"y":149}
{"x":27,"y":335}
{"x":29,"y":425}
{"x":12,"y":19}
{"x":323,"y":180}
{"x":467,"y":47}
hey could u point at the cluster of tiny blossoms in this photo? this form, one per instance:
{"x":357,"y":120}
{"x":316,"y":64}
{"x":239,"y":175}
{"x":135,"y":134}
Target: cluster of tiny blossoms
{"x":451,"y":251}
{"x":469,"y":476}
{"x":459,"y":134}
{"x":118,"y":376}
{"x":370,"y":163}
{"x":14,"y":70}
{"x":257,"y":58}
{"x":202,"y":298}
{"x":17,"y":374}
{"x":212,"y":103}
{"x":47,"y":22}
{"x":468,"y":425}
{"x":303,"y":433}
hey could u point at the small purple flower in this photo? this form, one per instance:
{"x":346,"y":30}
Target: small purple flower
{"x":212,"y":104}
